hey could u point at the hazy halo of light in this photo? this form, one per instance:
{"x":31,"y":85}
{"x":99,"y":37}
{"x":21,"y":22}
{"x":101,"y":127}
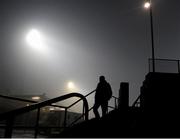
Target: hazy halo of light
{"x":71,"y":85}
{"x":147,"y":5}
{"x":35,"y":98}
{"x":35,"y":40}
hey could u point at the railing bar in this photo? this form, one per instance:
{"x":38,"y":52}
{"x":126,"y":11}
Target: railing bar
{"x":114,"y":97}
{"x":19,"y":127}
{"x":136,"y":101}
{"x":58,"y":106}
{"x":43,"y":104}
{"x":37,"y":123}
{"x":90,"y":93}
{"x":83,"y":111}
{"x":165,"y":59}
{"x":115,"y":103}
{"x":76,"y":120}
{"x":26,"y":100}
{"x":149,"y":64}
{"x":79,"y":117}
{"x":81,"y":99}
{"x":9,"y":127}
{"x":65,"y":117}
{"x":19,"y":99}
{"x":74,"y":103}
{"x":111,"y":107}
{"x":178,"y":67}
{"x":172,"y":60}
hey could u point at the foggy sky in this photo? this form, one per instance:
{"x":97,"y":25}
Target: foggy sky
{"x":85,"y":39}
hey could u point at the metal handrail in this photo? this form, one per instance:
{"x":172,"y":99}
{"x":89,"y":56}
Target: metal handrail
{"x":66,"y":108}
{"x":83,"y":114}
{"x":19,"y":99}
{"x":136,"y":101}
{"x":116,"y":100}
{"x":88,"y":112}
{"x":79,"y":117}
{"x":160,"y":59}
{"x":9,"y":116}
{"x":27,"y":100}
{"x":80,"y":99}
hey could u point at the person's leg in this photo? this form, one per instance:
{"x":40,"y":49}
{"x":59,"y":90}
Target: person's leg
{"x":95,"y":110}
{"x":104,"y":107}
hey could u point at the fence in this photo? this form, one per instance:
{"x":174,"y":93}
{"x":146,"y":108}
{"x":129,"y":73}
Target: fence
{"x":165,"y":65}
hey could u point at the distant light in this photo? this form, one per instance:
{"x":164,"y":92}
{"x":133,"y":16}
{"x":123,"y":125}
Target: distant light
{"x":51,"y":109}
{"x":62,"y":109}
{"x":147,"y":5}
{"x":36,"y":98}
{"x":71,"y":85}
{"x":27,"y":104}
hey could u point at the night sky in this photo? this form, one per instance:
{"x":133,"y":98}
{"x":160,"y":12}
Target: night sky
{"x":84,"y":39}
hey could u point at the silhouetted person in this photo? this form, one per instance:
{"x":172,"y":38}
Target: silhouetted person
{"x":102,"y":96}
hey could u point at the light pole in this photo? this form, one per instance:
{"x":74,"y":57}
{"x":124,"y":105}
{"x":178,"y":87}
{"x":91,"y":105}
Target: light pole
{"x":148,"y":5}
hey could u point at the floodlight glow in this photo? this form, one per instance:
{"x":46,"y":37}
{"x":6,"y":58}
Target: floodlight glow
{"x":71,"y":85}
{"x":35,"y":39}
{"x":147,"y":5}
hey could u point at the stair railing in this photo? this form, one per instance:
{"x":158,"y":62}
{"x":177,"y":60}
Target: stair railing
{"x":137,"y":102}
{"x":9,"y":116}
{"x":176,"y":61}
{"x":84,"y":114}
{"x":75,"y":121}
{"x":27,"y":100}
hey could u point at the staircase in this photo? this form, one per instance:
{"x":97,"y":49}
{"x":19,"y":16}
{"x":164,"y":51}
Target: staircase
{"x":115,"y":124}
{"x":157,"y":116}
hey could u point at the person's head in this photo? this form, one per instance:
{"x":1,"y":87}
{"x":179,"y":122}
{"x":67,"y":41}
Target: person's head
{"x":101,"y":78}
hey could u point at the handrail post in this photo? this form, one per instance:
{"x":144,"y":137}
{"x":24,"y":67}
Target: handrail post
{"x":178,"y":67}
{"x":115,"y":103}
{"x":65,"y":117}
{"x":149,"y":63}
{"x":9,"y":127}
{"x":83,"y":111}
{"x":37,"y":123}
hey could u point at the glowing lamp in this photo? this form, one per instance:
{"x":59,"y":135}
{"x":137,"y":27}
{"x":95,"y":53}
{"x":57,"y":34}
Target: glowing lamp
{"x":147,"y":5}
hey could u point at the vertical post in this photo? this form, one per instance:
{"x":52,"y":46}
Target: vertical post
{"x":83,"y":111}
{"x":152,"y":37}
{"x":115,"y":105}
{"x":124,"y":96}
{"x":65,"y":117}
{"x":178,"y":67}
{"x":9,"y":127}
{"x":37,"y":123}
{"x":149,"y":62}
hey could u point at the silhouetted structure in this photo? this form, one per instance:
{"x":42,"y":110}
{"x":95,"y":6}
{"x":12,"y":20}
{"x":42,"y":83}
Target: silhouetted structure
{"x":156,"y":116}
{"x":102,"y":96}
{"x":123,"y":96}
